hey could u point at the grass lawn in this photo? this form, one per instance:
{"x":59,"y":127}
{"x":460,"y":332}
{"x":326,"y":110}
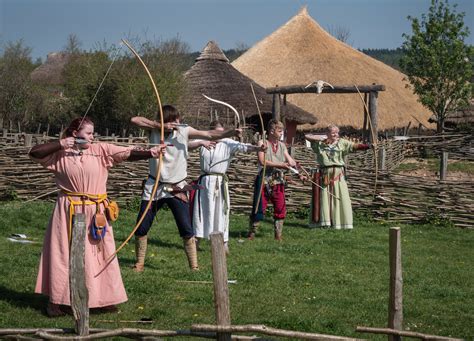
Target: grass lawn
{"x":321,"y":281}
{"x":432,"y":165}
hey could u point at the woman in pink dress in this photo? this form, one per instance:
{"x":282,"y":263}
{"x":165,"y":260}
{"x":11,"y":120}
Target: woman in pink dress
{"x":81,"y":169}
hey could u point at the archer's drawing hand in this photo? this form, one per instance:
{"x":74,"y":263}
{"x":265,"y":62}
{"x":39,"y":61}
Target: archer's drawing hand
{"x":157,"y":150}
{"x":238,"y":132}
{"x":67,"y":142}
{"x":263,"y":147}
{"x":208,"y":144}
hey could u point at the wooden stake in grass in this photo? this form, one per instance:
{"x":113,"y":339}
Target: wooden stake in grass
{"x":395,"y":305}
{"x":221,"y":289}
{"x":77,"y":279}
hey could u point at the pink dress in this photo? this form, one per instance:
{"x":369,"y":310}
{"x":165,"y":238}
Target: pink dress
{"x":86,"y":173}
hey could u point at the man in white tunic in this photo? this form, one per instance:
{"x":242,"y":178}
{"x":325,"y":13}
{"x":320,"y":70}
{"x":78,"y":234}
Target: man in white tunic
{"x":211,"y":205}
{"x":172,"y":180}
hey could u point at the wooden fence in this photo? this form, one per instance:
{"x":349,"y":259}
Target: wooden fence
{"x":403,"y":198}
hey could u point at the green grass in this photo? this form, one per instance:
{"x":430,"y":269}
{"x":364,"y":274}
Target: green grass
{"x":433,"y":166}
{"x":321,"y":281}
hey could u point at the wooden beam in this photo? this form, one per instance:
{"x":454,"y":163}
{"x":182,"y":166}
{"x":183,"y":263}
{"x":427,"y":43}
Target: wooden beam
{"x":276,"y":106}
{"x":373,"y":114}
{"x":338,"y":89}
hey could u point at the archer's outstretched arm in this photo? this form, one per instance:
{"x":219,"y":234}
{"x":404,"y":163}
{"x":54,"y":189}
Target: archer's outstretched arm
{"x":213,"y":134}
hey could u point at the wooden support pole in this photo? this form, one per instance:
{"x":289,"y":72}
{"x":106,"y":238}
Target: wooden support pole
{"x":77,"y":279}
{"x":221,"y":289}
{"x":364,"y":127}
{"x":276,"y":106}
{"x":395,"y":302}
{"x":5,"y":132}
{"x":382,"y":155}
{"x":373,"y":113}
{"x":28,"y":140}
{"x":443,"y":166}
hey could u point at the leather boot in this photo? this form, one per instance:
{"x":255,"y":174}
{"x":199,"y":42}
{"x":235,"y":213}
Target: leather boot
{"x":278,"y":225}
{"x":253,"y":227}
{"x":140,"y":253}
{"x":191,"y":253}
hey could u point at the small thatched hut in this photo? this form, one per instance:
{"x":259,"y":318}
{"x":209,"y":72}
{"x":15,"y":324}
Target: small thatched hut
{"x":301,"y":52}
{"x":51,"y":71}
{"x":214,"y":76}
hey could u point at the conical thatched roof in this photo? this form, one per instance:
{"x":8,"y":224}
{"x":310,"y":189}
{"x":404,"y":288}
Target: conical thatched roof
{"x":214,"y":76}
{"x":50,"y":72}
{"x":301,"y":52}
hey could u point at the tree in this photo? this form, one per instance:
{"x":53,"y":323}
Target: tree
{"x":20,"y":100}
{"x":341,"y":33}
{"x":437,"y":61}
{"x":73,"y":45}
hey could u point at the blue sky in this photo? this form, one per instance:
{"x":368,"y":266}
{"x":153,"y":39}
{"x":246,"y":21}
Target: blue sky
{"x":44,"y":25}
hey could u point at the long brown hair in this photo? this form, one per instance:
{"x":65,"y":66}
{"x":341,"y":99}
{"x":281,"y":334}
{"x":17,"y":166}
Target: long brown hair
{"x":76,"y":125}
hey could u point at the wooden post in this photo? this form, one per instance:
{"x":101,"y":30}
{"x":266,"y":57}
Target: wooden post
{"x":276,"y":107}
{"x":373,"y":113}
{"x":221,"y":289}
{"x":130,"y":138}
{"x":5,"y":132}
{"x":382,"y":155}
{"x":19,"y":126}
{"x":77,"y":280}
{"x":28,"y":140}
{"x":443,"y":166}
{"x":106,"y":131}
{"x":395,"y":302}
{"x":47,"y":130}
{"x":364,"y":126}
{"x":39,"y":128}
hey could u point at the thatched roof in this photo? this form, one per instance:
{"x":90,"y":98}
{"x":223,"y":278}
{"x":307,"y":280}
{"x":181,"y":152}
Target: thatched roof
{"x":214,"y":76}
{"x":50,"y":72}
{"x":460,"y":117}
{"x":301,"y":52}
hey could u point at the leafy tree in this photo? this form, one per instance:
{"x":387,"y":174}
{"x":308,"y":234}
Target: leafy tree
{"x":20,"y":99}
{"x":126,"y":91}
{"x":437,"y":61}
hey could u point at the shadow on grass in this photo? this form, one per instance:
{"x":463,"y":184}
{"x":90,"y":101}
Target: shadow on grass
{"x":23,"y":299}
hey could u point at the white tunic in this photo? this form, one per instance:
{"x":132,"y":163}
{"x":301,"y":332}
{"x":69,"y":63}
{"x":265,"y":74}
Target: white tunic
{"x":175,"y":162}
{"x":211,"y":204}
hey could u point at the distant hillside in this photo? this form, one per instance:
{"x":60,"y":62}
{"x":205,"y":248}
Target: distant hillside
{"x":387,"y":56}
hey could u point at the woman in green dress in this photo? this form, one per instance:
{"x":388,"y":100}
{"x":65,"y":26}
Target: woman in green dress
{"x":331,"y":204}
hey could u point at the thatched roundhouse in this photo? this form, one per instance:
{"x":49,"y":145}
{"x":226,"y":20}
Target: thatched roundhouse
{"x":301,"y":52}
{"x":214,"y":76}
{"x":51,"y":71}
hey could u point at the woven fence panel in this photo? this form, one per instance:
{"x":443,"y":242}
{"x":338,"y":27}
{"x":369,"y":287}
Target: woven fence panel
{"x":398,"y":197}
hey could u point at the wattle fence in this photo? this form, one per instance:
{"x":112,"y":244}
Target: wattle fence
{"x":403,"y":198}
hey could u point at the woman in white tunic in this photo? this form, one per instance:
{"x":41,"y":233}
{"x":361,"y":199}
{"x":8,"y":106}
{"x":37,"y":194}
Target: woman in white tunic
{"x":211,"y":203}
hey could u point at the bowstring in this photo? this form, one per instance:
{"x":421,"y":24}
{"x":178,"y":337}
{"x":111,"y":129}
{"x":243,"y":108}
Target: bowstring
{"x":117,"y":50}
